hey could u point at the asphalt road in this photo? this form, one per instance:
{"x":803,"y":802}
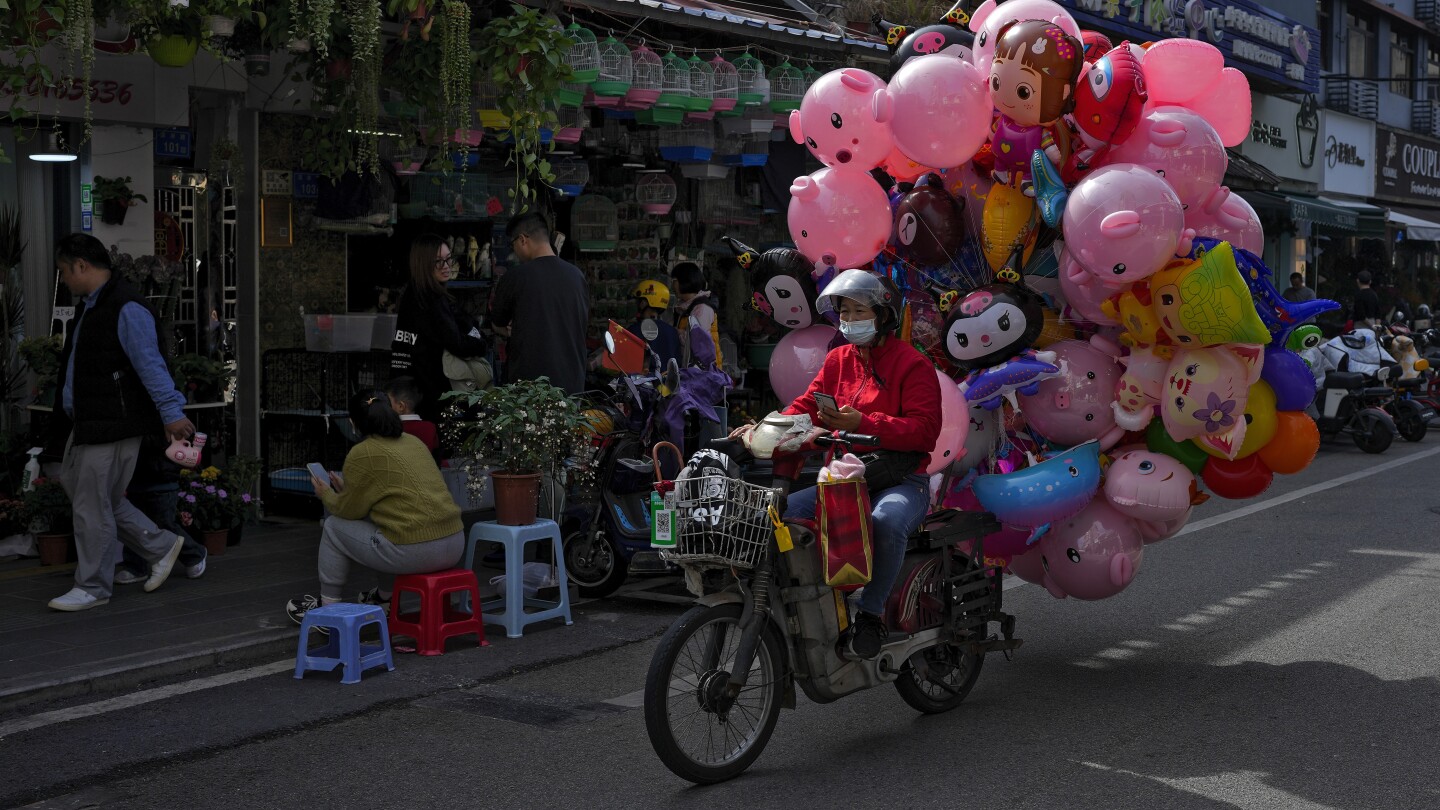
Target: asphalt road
{"x":1284,"y":654}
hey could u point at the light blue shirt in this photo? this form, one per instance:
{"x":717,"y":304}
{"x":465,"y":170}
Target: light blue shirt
{"x":137,"y":337}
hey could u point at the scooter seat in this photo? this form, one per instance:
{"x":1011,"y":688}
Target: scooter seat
{"x":1412,"y":383}
{"x":1380,"y":392}
{"x":1347,"y":380}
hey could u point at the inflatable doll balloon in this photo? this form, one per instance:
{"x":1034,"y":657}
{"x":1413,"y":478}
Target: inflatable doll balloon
{"x":784,"y":287}
{"x":837,"y":121}
{"x":1226,"y":107}
{"x":839,"y":218}
{"x":1123,"y":223}
{"x":797,"y":359}
{"x":934,"y":107}
{"x":954,"y":426}
{"x":1205,"y":395}
{"x":1075,"y":408}
{"x":991,"y":324}
{"x":1032,"y":84}
{"x":1093,"y":555}
{"x":1109,"y":101}
{"x":1206,"y":301}
{"x":992,"y":15}
{"x":1151,"y":487}
{"x":929,"y":224}
{"x":1039,"y":495}
{"x":1191,"y":73}
{"x":1179,"y":146}
{"x":1096,"y":45}
{"x":1229,"y":218}
{"x":943,"y":39}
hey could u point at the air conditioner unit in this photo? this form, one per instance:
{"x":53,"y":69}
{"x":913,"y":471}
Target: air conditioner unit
{"x":1428,"y":12}
{"x":1422,"y":116}
{"x":1353,"y":97}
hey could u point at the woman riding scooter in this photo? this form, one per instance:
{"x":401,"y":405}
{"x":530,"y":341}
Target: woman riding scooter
{"x":882,"y":387}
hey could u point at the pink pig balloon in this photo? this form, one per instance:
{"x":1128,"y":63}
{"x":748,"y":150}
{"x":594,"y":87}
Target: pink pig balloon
{"x":1190,"y":73}
{"x":1082,"y":292}
{"x":839,"y":218}
{"x":991,"y":16}
{"x":954,"y":426}
{"x":1180,"y":146}
{"x":1123,"y":223}
{"x":797,"y":359}
{"x":938,"y":108}
{"x":1227,"y":217}
{"x":836,"y":121}
{"x":1093,"y":555}
{"x":1075,"y":408}
{"x":1150,"y":487}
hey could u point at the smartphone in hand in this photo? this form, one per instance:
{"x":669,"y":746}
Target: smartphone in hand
{"x":826,"y":401}
{"x":318,"y":470}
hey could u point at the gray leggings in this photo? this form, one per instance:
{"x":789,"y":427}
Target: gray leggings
{"x":360,"y":541}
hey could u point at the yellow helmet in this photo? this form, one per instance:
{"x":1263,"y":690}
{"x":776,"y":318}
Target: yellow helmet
{"x":655,"y":294}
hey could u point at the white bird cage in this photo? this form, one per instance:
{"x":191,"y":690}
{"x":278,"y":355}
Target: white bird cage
{"x":647,"y":78}
{"x":596,"y":223}
{"x":570,"y":124}
{"x":584,"y":54}
{"x":487,"y":106}
{"x":655,"y":191}
{"x":787,"y":88}
{"x":702,"y":88}
{"x":571,"y":175}
{"x":617,"y":71}
{"x":726,"y":85}
{"x":750,"y":75}
{"x":675,"y":90}
{"x":693,"y":144}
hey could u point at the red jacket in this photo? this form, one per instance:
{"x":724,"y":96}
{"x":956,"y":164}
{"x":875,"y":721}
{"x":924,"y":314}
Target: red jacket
{"x":892,"y":384}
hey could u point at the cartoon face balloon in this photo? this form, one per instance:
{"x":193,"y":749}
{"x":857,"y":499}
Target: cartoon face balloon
{"x":781,"y":277}
{"x":1109,"y":100}
{"x":1122,"y":223}
{"x":993,"y":15}
{"x":1077,"y":407}
{"x":929,"y":224}
{"x":1205,"y":394}
{"x":1152,"y":487}
{"x":991,"y":324}
{"x":943,"y":39}
{"x":1093,"y":555}
{"x":837,"y":121}
{"x":1206,"y":302}
{"x":839,"y":218}
{"x":1179,"y":146}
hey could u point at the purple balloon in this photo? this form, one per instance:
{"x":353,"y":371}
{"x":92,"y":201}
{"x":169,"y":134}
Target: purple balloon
{"x":797,"y":359}
{"x":1291,"y":379}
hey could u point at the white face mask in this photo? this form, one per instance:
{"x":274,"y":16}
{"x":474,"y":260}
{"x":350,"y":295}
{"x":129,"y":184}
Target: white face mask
{"x":858,"y":332}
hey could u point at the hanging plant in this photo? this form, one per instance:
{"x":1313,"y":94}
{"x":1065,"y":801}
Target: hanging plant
{"x":456,"y":60}
{"x":524,"y":55}
{"x":313,"y":24}
{"x":79,"y":42}
{"x":364,"y":17}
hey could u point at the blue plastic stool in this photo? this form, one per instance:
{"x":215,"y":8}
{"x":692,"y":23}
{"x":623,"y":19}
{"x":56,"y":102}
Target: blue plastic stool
{"x":514,"y":538}
{"x":345,"y":621}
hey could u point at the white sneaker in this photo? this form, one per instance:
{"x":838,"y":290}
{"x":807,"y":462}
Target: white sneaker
{"x":125,"y":576}
{"x":197,"y":570}
{"x":76,"y":599}
{"x":161,"y":568}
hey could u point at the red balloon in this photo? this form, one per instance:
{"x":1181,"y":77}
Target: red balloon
{"x":1238,"y":479}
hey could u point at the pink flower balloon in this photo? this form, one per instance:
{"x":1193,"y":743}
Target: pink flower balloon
{"x":1228,"y":217}
{"x":837,"y":123}
{"x":1123,"y":223}
{"x":1180,"y":146}
{"x":839,"y":218}
{"x":954,"y":426}
{"x":991,"y":16}
{"x":938,"y":108}
{"x":797,"y":359}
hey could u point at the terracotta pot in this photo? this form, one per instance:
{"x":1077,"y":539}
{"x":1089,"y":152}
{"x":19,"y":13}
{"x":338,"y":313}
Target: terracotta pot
{"x":517,"y":498}
{"x":216,"y":541}
{"x":54,"y":548}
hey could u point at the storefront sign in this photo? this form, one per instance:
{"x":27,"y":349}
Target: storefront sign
{"x":1285,"y":137}
{"x":1407,"y":167}
{"x":1347,"y":154}
{"x":276,"y":183}
{"x":173,"y":143}
{"x":1253,"y":38}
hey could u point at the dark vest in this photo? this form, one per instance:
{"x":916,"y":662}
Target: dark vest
{"x":111,"y":402}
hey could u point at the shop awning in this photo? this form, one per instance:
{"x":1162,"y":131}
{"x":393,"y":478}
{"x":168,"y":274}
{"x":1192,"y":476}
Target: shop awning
{"x":1304,"y":208}
{"x":1372,"y":218}
{"x":751,"y":20}
{"x":1244,"y":168}
{"x":1418,"y":228}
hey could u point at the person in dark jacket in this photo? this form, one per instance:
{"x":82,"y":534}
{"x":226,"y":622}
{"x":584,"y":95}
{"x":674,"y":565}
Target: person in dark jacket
{"x":430,"y":322}
{"x":114,"y":387}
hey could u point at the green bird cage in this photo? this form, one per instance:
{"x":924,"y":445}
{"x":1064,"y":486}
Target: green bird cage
{"x":584,"y":54}
{"x":787,"y":87}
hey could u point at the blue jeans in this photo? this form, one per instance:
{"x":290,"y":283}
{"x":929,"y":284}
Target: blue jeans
{"x":895,"y":513}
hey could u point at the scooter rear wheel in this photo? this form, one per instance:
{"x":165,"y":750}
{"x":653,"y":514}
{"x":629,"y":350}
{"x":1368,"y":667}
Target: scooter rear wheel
{"x":1372,"y":434}
{"x":938,"y":679}
{"x":698,"y":734}
{"x":1411,"y":424}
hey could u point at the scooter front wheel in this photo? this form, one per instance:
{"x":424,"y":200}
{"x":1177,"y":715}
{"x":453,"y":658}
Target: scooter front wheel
{"x":1373,"y":434}
{"x":594,"y":563}
{"x":699,"y":733}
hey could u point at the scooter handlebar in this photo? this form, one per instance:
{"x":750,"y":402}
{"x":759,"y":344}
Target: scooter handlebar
{"x":848,"y":438}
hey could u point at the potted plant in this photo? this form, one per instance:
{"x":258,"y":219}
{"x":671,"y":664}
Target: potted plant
{"x":42,"y":355}
{"x":201,"y":378}
{"x":520,"y":432}
{"x":523,"y":55}
{"x":115,"y":197}
{"x":51,"y":520}
{"x":242,"y":480}
{"x":208,"y":507}
{"x":171,"y":33}
{"x":13,"y":517}
{"x":222,"y":16}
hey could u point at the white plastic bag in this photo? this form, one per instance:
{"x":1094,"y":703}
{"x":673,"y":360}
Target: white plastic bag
{"x":534,"y":576}
{"x":844,"y":468}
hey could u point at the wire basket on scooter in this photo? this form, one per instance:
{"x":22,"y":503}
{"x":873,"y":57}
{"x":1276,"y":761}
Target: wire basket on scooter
{"x":721,"y":520}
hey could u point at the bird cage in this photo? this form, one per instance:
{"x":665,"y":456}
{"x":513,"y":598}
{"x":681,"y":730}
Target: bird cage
{"x":571,"y":174}
{"x":787,"y":88}
{"x":687,"y":144}
{"x":487,"y":105}
{"x":617,"y":71}
{"x":584,"y":54}
{"x":810,"y":74}
{"x":705,"y":171}
{"x":647,"y":78}
{"x":726,"y":85}
{"x":675,"y":89}
{"x":595,"y":222}
{"x":571,"y":94}
{"x":655,"y":191}
{"x":742,"y":150}
{"x":571,"y":123}
{"x":702,"y":88}
{"x":749,"y":74}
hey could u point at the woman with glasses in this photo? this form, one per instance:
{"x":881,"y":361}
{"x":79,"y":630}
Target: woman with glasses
{"x":431,"y":322}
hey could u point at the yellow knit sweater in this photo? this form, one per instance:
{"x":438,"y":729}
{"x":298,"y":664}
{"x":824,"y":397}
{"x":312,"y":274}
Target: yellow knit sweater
{"x":395,"y":484}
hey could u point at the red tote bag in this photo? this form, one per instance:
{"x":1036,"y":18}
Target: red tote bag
{"x":843,"y":515}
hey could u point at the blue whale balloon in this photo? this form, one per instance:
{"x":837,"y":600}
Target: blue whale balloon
{"x":1035,"y":497}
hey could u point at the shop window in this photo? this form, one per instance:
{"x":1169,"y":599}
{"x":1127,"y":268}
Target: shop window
{"x":1402,"y":63}
{"x":1360,"y":46}
{"x":1432,"y":71}
{"x":1327,"y":34}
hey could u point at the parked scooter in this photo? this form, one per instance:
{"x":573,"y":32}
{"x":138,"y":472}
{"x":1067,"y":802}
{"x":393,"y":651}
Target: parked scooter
{"x":1353,"y":397}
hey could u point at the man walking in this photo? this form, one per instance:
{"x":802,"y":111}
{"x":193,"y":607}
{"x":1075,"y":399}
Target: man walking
{"x":114,"y":388}
{"x":1297,"y":291}
{"x":1366,"y":311}
{"x":542,"y":306}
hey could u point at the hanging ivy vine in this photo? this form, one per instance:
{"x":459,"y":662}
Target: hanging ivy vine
{"x":364,"y":18}
{"x":312,"y":23}
{"x":456,"y":61}
{"x":78,"y":40}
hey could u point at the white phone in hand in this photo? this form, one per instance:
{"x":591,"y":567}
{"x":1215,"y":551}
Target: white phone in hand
{"x":319,"y":471}
{"x":826,"y":401}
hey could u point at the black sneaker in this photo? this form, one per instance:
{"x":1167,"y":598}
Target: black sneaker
{"x":297,"y":607}
{"x":864,"y":637}
{"x":373,"y":597}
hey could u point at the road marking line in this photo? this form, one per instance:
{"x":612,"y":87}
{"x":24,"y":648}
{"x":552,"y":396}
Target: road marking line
{"x":140,"y":698}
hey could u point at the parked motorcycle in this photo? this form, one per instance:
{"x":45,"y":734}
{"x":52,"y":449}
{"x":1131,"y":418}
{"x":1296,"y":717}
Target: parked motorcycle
{"x":1353,"y":397}
{"x":766,"y":622}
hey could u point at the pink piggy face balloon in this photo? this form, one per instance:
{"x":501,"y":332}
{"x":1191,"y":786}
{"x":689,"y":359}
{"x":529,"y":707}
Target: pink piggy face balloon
{"x":836,"y":121}
{"x":1180,"y":147}
{"x":1151,"y":487}
{"x":991,"y":16}
{"x":1093,"y":555}
{"x":1082,"y":292}
{"x":840,"y":218}
{"x":1205,"y":393}
{"x":938,"y":108}
{"x":1123,"y":223}
{"x":1076,"y":408}
{"x":1229,"y":218}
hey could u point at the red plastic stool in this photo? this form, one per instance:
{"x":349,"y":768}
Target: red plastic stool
{"x":437,"y":619}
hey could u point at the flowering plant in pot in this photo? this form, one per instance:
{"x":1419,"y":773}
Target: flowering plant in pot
{"x":42,"y":355}
{"x":52,"y":520}
{"x":208,"y":507}
{"x":520,"y":432}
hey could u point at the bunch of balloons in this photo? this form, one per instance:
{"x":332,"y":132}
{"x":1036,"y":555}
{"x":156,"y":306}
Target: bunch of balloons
{"x":1085,"y":405}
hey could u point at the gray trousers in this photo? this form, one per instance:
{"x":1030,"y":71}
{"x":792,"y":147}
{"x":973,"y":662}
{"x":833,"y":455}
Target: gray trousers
{"x":95,"y":477}
{"x":343,"y":542}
